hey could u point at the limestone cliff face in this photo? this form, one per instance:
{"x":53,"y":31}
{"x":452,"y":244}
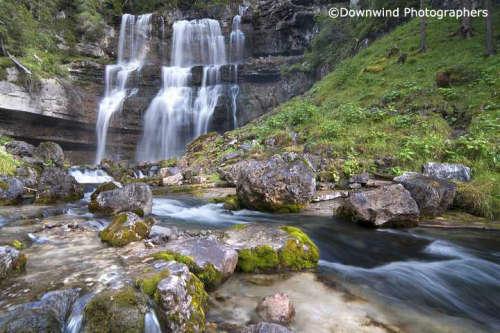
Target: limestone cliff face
{"x":64,"y":110}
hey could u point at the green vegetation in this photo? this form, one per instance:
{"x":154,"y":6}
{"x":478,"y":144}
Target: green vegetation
{"x":116,"y":234}
{"x":8,"y":164}
{"x":148,"y":283}
{"x":374,"y":107}
{"x":259,"y":259}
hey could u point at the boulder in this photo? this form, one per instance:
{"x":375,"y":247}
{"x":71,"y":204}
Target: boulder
{"x":20,"y":148}
{"x":264,"y":327}
{"x":387,"y":206}
{"x":210,"y":260}
{"x":27,"y":175}
{"x":11,"y":261}
{"x":50,"y":153}
{"x":160,"y":235}
{"x":231,"y":173}
{"x":121,"y":310}
{"x":126,"y":228}
{"x":276,"y":309}
{"x":174,"y":180}
{"x":11,"y":190}
{"x":283,"y":183}
{"x":135,"y":197}
{"x":264,"y":248}
{"x":433,"y":196}
{"x":361,"y":178}
{"x":46,"y":315}
{"x":182,"y":300}
{"x":57,"y":185}
{"x":447,"y":171}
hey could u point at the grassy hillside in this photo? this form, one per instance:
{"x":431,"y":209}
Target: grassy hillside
{"x":373,"y":107}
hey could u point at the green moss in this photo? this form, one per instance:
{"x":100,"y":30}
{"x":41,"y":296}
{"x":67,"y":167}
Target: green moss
{"x":20,"y":264}
{"x":118,"y":235}
{"x":230,"y":202}
{"x":17,"y":244}
{"x":108,"y":186}
{"x":8,"y":164}
{"x":170,"y":163}
{"x":199,"y":303}
{"x":208,"y":274}
{"x":149,"y":282}
{"x":259,"y":259}
{"x":238,"y":226}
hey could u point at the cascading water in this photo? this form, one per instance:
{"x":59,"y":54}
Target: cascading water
{"x":237,"y":49}
{"x":133,"y":45}
{"x":180,"y":113}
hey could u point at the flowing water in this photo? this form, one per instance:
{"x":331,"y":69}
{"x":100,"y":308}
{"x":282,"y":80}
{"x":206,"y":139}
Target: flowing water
{"x":135,"y":33}
{"x":416,"y":280}
{"x":237,"y":56}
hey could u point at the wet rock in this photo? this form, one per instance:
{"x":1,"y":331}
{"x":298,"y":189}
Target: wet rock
{"x":182,"y":300}
{"x":121,"y":310}
{"x":11,"y":261}
{"x":11,"y":190}
{"x":277,"y":309}
{"x":135,"y":197}
{"x":126,"y":228}
{"x":46,"y":315}
{"x":447,"y":171}
{"x":160,"y":235}
{"x":282,"y":183}
{"x":108,"y":186}
{"x":174,"y":180}
{"x":27,"y":175}
{"x":57,"y":185}
{"x":433,"y":196}
{"x":264,"y":248}
{"x":20,"y":148}
{"x":50,"y":153}
{"x":388,"y":206}
{"x":213,"y":260}
{"x":264,"y":327}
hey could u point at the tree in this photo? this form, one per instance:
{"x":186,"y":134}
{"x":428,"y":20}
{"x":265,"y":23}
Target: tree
{"x":423,"y":27}
{"x":490,"y":47}
{"x":465,"y":23}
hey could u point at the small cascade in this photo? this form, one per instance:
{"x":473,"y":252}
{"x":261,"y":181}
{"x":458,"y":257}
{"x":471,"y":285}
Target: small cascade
{"x":237,"y":54}
{"x":89,"y":176}
{"x":179,"y":113}
{"x":135,"y":33}
{"x":151,"y":323}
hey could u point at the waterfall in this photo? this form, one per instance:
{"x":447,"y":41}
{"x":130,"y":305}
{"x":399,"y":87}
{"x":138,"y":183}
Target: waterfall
{"x":133,"y":45}
{"x":151,"y":323}
{"x":179,"y":113}
{"x":237,"y":49}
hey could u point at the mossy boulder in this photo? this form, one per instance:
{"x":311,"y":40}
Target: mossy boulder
{"x":121,"y":310}
{"x":182,"y":300}
{"x":50,"y":153}
{"x":148,"y":282}
{"x":11,"y":261}
{"x":11,"y":190}
{"x":136,"y":197}
{"x":56,"y":185}
{"x":210,"y":260}
{"x":108,"y":186}
{"x":265,"y":249}
{"x":230,"y":202}
{"x":126,"y":228}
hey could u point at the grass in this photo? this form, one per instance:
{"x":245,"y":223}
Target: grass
{"x":373,"y":107}
{"x":8,"y":164}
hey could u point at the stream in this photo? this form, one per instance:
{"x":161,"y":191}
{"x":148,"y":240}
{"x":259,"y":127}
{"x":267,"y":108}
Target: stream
{"x":414,"y":280}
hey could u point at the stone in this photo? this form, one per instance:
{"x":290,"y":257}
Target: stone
{"x":160,"y":235}
{"x":264,"y":327}
{"x":56,"y":185}
{"x":214,"y":261}
{"x":276,"y":309}
{"x":126,"y":228}
{"x":174,"y":180}
{"x":264,"y":248}
{"x":27,"y":175}
{"x":387,"y":206}
{"x":11,"y":261}
{"x":182,"y":300}
{"x":433,"y":196}
{"x":361,"y":178}
{"x":50,"y":153}
{"x":45,"y":315}
{"x":283,"y":183}
{"x":11,"y":190}
{"x":121,"y":310}
{"x":135,"y":197}
{"x":447,"y":171}
{"x":20,"y":148}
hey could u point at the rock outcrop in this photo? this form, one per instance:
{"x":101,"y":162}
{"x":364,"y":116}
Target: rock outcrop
{"x":135,"y":197}
{"x":447,"y":171}
{"x":387,"y":206}
{"x":433,"y":196}
{"x":283,"y":183}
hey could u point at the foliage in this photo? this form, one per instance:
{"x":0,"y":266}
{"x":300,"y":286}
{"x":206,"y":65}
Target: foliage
{"x":8,"y":164}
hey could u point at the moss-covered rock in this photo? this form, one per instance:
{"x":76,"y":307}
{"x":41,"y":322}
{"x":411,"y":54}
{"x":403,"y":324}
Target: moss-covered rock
{"x":136,"y":197}
{"x":264,"y":248}
{"x":126,"y":228}
{"x":56,"y":185}
{"x":230,"y":202}
{"x":148,"y":282}
{"x":120,"y":310}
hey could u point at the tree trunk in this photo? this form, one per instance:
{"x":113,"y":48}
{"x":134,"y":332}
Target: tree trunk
{"x":465,"y":24}
{"x":490,"y":47}
{"x":423,"y":26}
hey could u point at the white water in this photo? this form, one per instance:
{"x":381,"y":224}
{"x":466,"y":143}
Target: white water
{"x":135,"y":33}
{"x":180,"y":113}
{"x":237,"y":50}
{"x":90,"y":176}
{"x":151,"y":323}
